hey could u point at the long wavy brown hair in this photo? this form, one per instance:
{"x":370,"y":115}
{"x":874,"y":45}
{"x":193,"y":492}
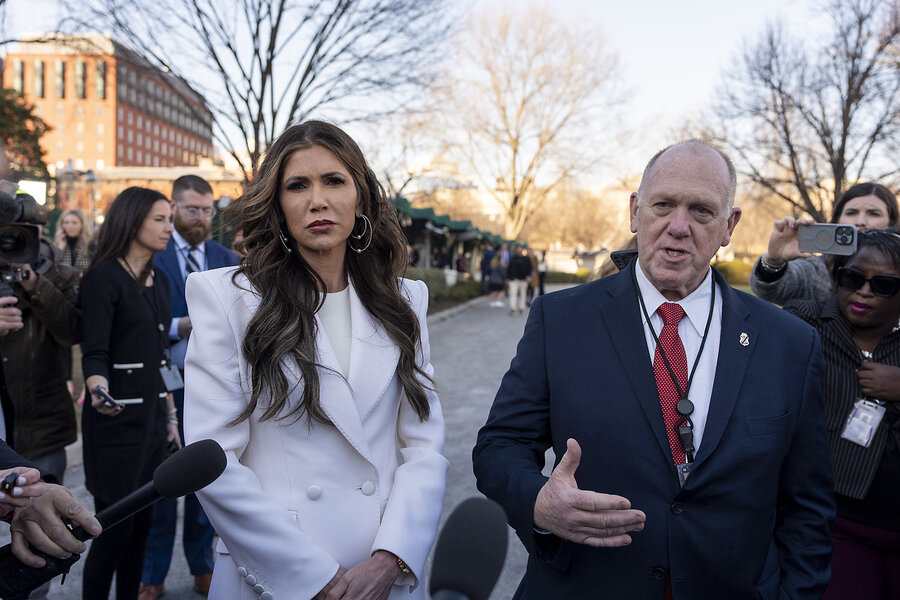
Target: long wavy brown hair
{"x":284,"y":326}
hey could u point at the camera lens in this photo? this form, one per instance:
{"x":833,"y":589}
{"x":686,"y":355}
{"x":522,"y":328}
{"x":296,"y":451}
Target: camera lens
{"x":11,"y":241}
{"x":19,"y":244}
{"x":844,"y":236}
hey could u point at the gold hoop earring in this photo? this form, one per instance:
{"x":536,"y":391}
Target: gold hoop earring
{"x":367,"y":228}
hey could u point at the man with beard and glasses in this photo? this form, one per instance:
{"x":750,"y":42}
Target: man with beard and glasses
{"x":189,"y":250}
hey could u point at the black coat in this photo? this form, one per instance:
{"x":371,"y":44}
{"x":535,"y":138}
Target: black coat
{"x":125,"y":335}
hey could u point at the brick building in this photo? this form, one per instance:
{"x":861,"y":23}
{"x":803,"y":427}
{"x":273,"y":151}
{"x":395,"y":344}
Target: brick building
{"x":107,"y":105}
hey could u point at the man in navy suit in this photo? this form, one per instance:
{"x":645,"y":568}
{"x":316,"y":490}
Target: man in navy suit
{"x":695,"y":466}
{"x":189,"y":250}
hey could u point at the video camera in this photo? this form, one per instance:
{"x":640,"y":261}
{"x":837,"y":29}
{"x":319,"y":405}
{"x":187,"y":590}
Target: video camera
{"x":20,"y":236}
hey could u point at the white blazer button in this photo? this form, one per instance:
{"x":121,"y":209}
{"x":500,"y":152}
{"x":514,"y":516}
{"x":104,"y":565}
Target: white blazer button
{"x":313,"y":492}
{"x":265,"y":596}
{"x":250,"y":580}
{"x":242,"y":572}
{"x":258,"y":588}
{"x":368,"y":488}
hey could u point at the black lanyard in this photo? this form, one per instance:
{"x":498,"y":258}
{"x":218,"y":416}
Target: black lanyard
{"x":154,"y":309}
{"x":685,"y":427}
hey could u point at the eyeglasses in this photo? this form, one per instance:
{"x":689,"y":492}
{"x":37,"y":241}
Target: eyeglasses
{"x":194,"y":212}
{"x":881,"y":285}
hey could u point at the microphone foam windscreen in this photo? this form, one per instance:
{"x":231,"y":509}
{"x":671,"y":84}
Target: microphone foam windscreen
{"x":192,"y":468}
{"x":471,"y":549}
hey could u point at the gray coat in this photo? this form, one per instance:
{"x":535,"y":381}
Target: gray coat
{"x":803,"y":278}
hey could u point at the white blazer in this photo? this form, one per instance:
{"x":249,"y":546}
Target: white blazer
{"x":295,"y":502}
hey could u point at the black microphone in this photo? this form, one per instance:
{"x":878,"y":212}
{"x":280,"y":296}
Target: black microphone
{"x":192,"y":468}
{"x":470,"y":551}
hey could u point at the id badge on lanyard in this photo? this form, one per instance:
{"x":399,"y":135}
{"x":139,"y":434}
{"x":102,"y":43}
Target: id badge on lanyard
{"x":863,"y":422}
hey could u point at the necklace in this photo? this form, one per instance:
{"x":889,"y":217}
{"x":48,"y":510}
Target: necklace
{"x":124,"y":261}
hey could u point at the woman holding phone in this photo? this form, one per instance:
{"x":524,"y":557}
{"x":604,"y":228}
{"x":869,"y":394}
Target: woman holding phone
{"x":131,"y":418}
{"x":861,"y":346}
{"x":784,"y":273}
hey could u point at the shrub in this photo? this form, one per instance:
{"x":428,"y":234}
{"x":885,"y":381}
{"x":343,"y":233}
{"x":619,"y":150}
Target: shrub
{"x":735,"y":272}
{"x":560,"y":277}
{"x":433,"y":278}
{"x":465,"y":289}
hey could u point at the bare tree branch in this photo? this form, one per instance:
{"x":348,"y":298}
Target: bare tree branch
{"x":806,"y":123}
{"x":522,"y":103}
{"x":266,"y":64}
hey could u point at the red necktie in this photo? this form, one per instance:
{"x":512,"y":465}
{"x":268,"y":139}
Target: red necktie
{"x":671,"y":314}
{"x":670,"y":342}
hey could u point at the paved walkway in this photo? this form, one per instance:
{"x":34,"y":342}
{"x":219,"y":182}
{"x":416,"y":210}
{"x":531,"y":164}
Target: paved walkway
{"x":471,"y":347}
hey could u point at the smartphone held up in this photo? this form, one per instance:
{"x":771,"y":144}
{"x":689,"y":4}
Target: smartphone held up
{"x":827,"y":238}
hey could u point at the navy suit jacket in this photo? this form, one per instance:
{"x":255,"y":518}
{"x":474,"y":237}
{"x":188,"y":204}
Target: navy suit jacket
{"x":753,"y":519}
{"x":217,"y":256}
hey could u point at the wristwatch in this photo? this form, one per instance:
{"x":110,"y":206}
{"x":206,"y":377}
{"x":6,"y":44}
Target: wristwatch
{"x":403,"y":566}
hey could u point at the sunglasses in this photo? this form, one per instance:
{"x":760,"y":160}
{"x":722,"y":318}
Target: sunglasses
{"x":881,"y":285}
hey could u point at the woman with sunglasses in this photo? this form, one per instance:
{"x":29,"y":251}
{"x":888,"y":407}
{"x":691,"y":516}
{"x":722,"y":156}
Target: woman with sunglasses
{"x":861,"y":344}
{"x":778,"y":276}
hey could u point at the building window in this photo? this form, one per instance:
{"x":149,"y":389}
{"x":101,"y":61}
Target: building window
{"x":79,"y":127}
{"x":79,"y":147}
{"x":140,"y":156}
{"x":120,"y":150}
{"x":60,"y":80}
{"x":121,"y":132}
{"x":155,"y":161}
{"x":121,"y":113}
{"x":99,"y":163}
{"x":99,"y":128}
{"x":130,"y":136}
{"x":132,"y":96}
{"x":123,"y":91}
{"x":79,"y":111}
{"x":39,"y":79}
{"x":130,"y":118}
{"x":19,"y":77}
{"x":99,"y":147}
{"x":100,"y":111}
{"x":140,"y":121}
{"x":80,"y":79}
{"x":59,"y":147}
{"x":140,"y":139}
{"x":100,"y":80}
{"x":130,"y":154}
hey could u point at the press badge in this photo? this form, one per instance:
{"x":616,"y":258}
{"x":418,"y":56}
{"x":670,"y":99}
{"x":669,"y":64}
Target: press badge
{"x":863,"y":422}
{"x":171,"y":378}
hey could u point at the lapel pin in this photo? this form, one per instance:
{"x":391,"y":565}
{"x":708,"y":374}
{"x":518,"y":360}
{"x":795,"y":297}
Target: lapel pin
{"x":745,"y":339}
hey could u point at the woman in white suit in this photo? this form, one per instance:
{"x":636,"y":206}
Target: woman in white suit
{"x":309,"y":363}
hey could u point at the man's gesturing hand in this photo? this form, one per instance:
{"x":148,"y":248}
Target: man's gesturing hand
{"x":582,"y":516}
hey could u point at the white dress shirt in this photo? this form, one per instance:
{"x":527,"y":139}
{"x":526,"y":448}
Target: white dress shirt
{"x":179,"y":345}
{"x":690,"y":329}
